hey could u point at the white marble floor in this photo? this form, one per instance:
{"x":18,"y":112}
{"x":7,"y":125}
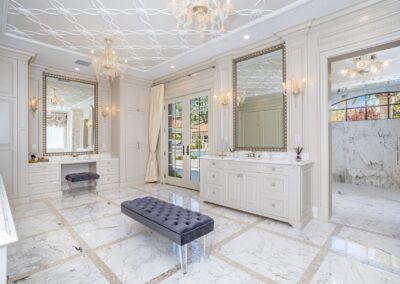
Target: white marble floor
{"x":85,"y":239}
{"x":368,"y":208}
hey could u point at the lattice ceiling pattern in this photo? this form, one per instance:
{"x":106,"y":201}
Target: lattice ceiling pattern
{"x":144,"y":32}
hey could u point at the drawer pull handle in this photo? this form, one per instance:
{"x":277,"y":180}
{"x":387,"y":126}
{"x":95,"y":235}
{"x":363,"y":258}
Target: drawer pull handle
{"x":213,"y":192}
{"x":273,"y":169}
{"x":239,"y":175}
{"x":213,"y":176}
{"x":273,"y":205}
{"x":273,"y":184}
{"x":213,"y":163}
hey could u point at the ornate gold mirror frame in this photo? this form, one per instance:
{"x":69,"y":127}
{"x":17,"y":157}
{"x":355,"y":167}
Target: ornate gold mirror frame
{"x":284,"y":97}
{"x":44,"y":115}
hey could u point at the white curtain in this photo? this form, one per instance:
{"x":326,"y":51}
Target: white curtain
{"x":155,"y":118}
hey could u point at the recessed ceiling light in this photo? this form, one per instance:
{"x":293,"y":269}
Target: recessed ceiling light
{"x":76,"y":69}
{"x":246,"y":36}
{"x":172,"y":66}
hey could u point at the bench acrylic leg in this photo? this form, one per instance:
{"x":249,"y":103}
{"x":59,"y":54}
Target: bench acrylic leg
{"x":183,"y":258}
{"x":205,"y":243}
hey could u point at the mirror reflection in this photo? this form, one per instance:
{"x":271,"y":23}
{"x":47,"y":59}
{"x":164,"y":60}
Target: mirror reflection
{"x":260,"y":108}
{"x":71,"y":113}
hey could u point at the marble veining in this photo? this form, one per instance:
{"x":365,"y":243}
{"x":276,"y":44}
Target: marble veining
{"x":95,"y":243}
{"x":366,"y":153}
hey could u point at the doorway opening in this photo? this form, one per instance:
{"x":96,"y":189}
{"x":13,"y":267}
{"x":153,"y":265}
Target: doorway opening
{"x":365,"y":139}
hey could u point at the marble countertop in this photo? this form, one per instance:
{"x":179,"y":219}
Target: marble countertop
{"x":8,"y":234}
{"x":70,"y":160}
{"x":286,"y":161}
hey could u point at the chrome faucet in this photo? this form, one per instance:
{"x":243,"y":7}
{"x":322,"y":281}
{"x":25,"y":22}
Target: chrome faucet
{"x":251,"y":155}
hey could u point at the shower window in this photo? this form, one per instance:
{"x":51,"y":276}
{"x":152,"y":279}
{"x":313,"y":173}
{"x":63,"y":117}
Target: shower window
{"x":367,"y":107}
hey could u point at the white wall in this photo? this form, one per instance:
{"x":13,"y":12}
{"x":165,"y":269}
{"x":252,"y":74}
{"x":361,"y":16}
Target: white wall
{"x":308,"y":48}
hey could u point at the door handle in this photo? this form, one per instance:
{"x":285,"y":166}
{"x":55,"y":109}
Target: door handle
{"x":183,"y":150}
{"x":187,"y":150}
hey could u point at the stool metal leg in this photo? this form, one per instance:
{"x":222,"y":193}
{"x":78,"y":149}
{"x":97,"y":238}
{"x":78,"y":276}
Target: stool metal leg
{"x":205,"y":252}
{"x":183,"y":258}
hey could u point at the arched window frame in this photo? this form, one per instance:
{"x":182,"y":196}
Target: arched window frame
{"x":367,"y":107}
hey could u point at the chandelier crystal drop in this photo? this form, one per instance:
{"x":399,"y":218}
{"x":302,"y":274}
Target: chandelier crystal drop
{"x":108,"y":64}
{"x":363,"y":65}
{"x":205,"y":15}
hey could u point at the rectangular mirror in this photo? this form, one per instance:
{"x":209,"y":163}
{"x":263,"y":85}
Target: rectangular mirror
{"x":70,"y":115}
{"x":260,"y":101}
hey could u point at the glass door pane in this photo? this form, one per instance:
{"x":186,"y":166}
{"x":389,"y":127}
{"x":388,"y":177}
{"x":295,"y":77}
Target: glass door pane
{"x":198,"y":134}
{"x":175,"y":141}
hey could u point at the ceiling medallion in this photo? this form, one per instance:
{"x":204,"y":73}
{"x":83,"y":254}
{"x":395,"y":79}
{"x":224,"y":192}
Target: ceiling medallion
{"x":108,"y":64}
{"x":204,"y":14}
{"x":363,"y":65}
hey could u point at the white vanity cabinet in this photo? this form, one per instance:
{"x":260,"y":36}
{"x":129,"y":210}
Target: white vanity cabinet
{"x":278,"y":190}
{"x":50,"y":177}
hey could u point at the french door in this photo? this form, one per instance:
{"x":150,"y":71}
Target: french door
{"x":186,"y":139}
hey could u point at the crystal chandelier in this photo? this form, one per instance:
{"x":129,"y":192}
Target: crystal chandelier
{"x":54,"y":100}
{"x":108,"y":64}
{"x":363,"y":65}
{"x":204,"y":14}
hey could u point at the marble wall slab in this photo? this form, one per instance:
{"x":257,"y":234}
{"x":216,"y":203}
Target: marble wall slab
{"x":367,"y":153}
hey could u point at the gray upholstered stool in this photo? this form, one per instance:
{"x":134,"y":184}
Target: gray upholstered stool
{"x":80,"y":177}
{"x":180,"y":225}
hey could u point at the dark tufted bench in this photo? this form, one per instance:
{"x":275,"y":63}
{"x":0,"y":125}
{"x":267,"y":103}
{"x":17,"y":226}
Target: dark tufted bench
{"x":180,"y":225}
{"x":78,"y":177}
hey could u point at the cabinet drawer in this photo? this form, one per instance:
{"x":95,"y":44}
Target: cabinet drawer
{"x":108,"y":164}
{"x":45,"y":167}
{"x":273,"y":207}
{"x":214,"y":177}
{"x":44,"y":177}
{"x":213,"y":164}
{"x":213,"y":192}
{"x":36,"y":188}
{"x":108,"y":179}
{"x":273,"y":184}
{"x":107,"y":171}
{"x":271,"y":169}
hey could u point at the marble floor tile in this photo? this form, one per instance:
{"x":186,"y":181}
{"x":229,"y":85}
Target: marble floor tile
{"x":89,"y":212}
{"x":342,"y":270}
{"x":191,"y":202}
{"x":79,"y":270}
{"x":68,"y":201}
{"x":107,"y":230}
{"x":141,"y":258}
{"x":223,"y":228}
{"x":34,"y":252}
{"x":150,"y":187}
{"x":120,"y":193}
{"x":366,"y":210}
{"x":237,"y":215}
{"x":29,"y":209}
{"x":118,"y":201}
{"x":211,"y":270}
{"x":277,"y":258}
{"x":369,"y":248}
{"x":315,"y":232}
{"x":37,"y":224}
{"x":172,"y":192}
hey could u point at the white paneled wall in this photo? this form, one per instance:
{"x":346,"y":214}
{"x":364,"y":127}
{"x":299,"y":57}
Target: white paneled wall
{"x":129,"y":124}
{"x":13,"y":120}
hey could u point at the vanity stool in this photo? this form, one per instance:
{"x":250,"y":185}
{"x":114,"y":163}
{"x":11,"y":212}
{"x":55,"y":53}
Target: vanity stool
{"x":80,"y":177}
{"x":178,"y":224}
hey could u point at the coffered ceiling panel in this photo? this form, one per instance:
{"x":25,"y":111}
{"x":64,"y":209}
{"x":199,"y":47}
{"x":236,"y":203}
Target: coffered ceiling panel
{"x":143,"y":31}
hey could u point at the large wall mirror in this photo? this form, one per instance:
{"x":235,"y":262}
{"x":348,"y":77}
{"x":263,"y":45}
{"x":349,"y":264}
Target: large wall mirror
{"x":260,"y":101}
{"x":70,"y":116}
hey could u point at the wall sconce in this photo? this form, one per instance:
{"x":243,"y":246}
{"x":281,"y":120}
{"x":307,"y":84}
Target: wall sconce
{"x":298,"y":87}
{"x":34,"y":104}
{"x":105,"y":111}
{"x":223,"y":98}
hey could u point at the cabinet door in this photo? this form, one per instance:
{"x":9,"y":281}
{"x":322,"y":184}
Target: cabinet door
{"x":233,"y":185}
{"x":250,"y":191}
